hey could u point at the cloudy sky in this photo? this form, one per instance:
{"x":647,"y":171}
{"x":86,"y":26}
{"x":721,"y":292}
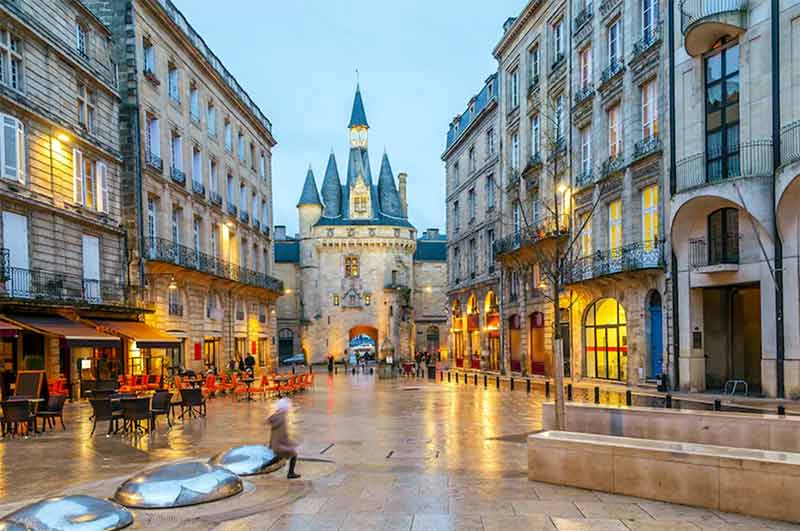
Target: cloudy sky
{"x":419,"y":62}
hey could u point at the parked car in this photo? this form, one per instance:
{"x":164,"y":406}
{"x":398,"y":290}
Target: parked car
{"x":294,"y":359}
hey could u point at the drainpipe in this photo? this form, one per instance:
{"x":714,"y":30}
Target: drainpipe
{"x":672,"y":188}
{"x":776,"y":162}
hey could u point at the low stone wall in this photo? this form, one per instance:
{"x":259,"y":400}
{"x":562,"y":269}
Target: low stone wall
{"x":751,"y":482}
{"x":738,"y":430}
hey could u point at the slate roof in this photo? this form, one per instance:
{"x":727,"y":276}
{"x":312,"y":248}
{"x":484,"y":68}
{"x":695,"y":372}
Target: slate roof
{"x":431,"y":250}
{"x":358,"y":116}
{"x":387,"y":191}
{"x":310,"y":196}
{"x":479,"y":102}
{"x":287,"y":252}
{"x":332,"y":190}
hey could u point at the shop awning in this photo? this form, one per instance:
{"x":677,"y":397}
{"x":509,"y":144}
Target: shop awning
{"x":8,"y":329}
{"x":145,"y":336}
{"x":76,"y":334}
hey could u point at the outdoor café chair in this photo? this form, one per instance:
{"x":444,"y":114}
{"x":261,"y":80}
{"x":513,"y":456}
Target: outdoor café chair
{"x":154,"y":382}
{"x":18,"y":414}
{"x":103,"y":410}
{"x":160,"y":406}
{"x":192,"y":401}
{"x":54,"y":410}
{"x":136,"y":411}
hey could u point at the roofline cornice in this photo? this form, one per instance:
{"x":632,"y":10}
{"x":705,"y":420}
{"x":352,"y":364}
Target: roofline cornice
{"x":516,"y":28}
{"x":479,"y":119}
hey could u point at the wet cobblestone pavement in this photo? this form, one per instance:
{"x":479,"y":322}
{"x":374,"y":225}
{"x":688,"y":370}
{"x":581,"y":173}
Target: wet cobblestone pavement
{"x":392,"y":455}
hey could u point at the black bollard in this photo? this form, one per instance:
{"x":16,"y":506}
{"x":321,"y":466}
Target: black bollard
{"x":628,"y":398}
{"x":596,"y":394}
{"x":336,"y":370}
{"x":354,"y":370}
{"x":528,"y":386}
{"x":547,"y":389}
{"x":311,"y":369}
{"x":475,"y":379}
{"x":718,"y":405}
{"x":668,"y":401}
{"x":485,"y":381}
{"x":781,"y":410}
{"x":569,"y":392}
{"x":293,"y":369}
{"x":511,"y":383}
{"x":497,"y":382}
{"x":371,"y":370}
{"x":448,"y":376}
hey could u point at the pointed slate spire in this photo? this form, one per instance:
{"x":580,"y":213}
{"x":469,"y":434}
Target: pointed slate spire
{"x":358,"y":116}
{"x":331,"y":190}
{"x":387,"y":191}
{"x":310,"y":196}
{"x":355,"y":167}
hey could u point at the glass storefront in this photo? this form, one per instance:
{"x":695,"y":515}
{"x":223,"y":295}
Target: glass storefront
{"x":606,"y":333}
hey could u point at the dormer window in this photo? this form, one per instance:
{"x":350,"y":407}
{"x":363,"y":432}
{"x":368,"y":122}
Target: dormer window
{"x":82,"y":39}
{"x":360,"y":207}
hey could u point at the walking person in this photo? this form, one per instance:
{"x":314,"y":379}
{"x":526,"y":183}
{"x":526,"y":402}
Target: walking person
{"x":280,"y":442}
{"x":250,"y":363}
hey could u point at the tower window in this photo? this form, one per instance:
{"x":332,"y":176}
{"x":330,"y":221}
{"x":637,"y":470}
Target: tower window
{"x":360,"y":203}
{"x":351,"y":267}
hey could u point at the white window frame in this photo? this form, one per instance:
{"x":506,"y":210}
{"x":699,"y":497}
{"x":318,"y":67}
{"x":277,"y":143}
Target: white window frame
{"x":148,"y":56}
{"x":174,"y":83}
{"x":653,"y":211}
{"x":558,"y":39}
{"x":559,"y":118}
{"x":586,"y":150}
{"x":515,"y":151}
{"x":10,"y":60}
{"x":12,"y":145}
{"x":650,"y":125}
{"x":534,"y":63}
{"x":490,"y":191}
{"x":513,"y":84}
{"x":176,"y":150}
{"x":615,"y":42}
{"x":97,"y":181}
{"x":154,"y":136}
{"x":82,"y":39}
{"x":536,"y":142}
{"x":228,"y":135}
{"x":211,"y":119}
{"x":614,"y":132}
{"x":586,"y":67}
{"x":197,"y":164}
{"x":213,"y":175}
{"x":650,"y":19}
{"x":194,"y":103}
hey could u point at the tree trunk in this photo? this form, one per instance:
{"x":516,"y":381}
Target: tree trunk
{"x":558,"y":351}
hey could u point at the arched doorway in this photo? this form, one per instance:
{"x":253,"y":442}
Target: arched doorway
{"x":474,"y":331}
{"x":458,"y":333}
{"x":363,"y":342}
{"x":285,"y":343}
{"x":492,"y":312}
{"x":606,"y":340}
{"x":655,"y":342}
{"x":432,"y":341}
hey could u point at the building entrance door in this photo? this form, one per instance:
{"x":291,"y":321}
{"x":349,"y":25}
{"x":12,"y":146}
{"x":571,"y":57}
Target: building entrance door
{"x":656,"y":336}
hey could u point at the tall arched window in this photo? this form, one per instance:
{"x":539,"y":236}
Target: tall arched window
{"x":606,"y":333}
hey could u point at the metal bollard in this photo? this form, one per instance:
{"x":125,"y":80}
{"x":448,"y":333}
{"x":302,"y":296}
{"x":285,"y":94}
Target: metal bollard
{"x":781,"y":410}
{"x":485,"y":381}
{"x":628,"y":398}
{"x":354,"y":370}
{"x":371,"y":370}
{"x":335,"y":370}
{"x":668,"y":401}
{"x":497,"y":382}
{"x":448,"y":376}
{"x":547,"y":389}
{"x":293,"y":369}
{"x":596,"y":394}
{"x":569,"y":392}
{"x":718,"y":405}
{"x":475,"y":379}
{"x":311,"y":369}
{"x":511,"y":383}
{"x":528,"y":386}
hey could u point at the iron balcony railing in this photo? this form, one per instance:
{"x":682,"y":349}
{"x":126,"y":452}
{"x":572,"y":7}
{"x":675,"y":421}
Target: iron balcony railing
{"x":650,"y":36}
{"x":198,"y":188}
{"x":177,"y":176}
{"x":50,"y":286}
{"x":606,"y":6}
{"x":615,"y":67}
{"x":533,"y":83}
{"x":694,"y":10}
{"x":265,"y":230}
{"x":750,"y":159}
{"x":5,"y":263}
{"x":163,"y":250}
{"x":646,"y":146}
{"x":558,"y":63}
{"x":612,"y":165}
{"x":544,"y":227}
{"x":583,"y":16}
{"x":216,"y":199}
{"x":633,"y":257}
{"x":256,"y":223}
{"x":194,"y":114}
{"x":790,"y":143}
{"x":583,"y":93}
{"x":232,"y":209}
{"x":155,"y":162}
{"x":585,"y":178}
{"x":244,"y":216}
{"x":716,"y":250}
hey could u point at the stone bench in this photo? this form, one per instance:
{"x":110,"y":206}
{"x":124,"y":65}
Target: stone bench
{"x":752,"y":482}
{"x":740,"y":430}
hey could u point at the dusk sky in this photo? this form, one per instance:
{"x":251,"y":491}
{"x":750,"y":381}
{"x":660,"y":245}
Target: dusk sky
{"x":419,"y":63}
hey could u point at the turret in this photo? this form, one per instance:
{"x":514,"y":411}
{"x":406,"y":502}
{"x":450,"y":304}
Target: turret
{"x":332,"y":190}
{"x":387,"y":192}
{"x":358,"y":122}
{"x":309,"y":208}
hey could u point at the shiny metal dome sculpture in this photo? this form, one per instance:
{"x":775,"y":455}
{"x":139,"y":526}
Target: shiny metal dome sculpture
{"x":248,"y":460}
{"x":68,"y":513}
{"x":178,"y":485}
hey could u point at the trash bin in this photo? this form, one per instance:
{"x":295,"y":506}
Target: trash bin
{"x":431,"y":372}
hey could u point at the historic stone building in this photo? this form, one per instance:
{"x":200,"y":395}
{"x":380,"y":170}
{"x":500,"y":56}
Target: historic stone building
{"x":474,"y":207}
{"x":196,"y":187}
{"x":352,"y":271}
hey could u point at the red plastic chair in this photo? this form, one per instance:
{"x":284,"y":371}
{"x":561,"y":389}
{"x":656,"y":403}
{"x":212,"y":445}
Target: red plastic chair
{"x":154,"y":382}
{"x":210,"y":386}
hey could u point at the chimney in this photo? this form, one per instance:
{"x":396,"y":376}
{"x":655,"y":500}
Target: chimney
{"x":432,"y":234}
{"x":402,"y":178}
{"x":280,"y":232}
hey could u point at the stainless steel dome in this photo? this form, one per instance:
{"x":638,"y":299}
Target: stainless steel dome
{"x":68,"y":513}
{"x":178,"y":485}
{"x":248,"y":460}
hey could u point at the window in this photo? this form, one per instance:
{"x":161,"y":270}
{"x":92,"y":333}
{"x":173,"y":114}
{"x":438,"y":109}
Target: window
{"x":196,"y":235}
{"x":262,"y":166}
{"x":252,"y":156}
{"x":173,"y":83}
{"x":535,"y":136}
{"x":586,"y":150}
{"x":649,"y":111}
{"x":174,"y":303}
{"x":558,"y":40}
{"x":10,"y":60}
{"x":456,"y":264}
{"x":197,"y":165}
{"x":212,"y":241}
{"x":456,"y":176}
{"x":244,"y":258}
{"x":211,"y":119}
{"x":213,"y":178}
{"x":723,"y":236}
{"x":152,"y":224}
{"x":177,"y":214}
{"x":513,"y":286}
{"x":517,"y":218}
{"x":86,"y":108}
{"x":82,"y":39}
{"x":456,"y":216}
{"x":513,"y":89}
{"x":243,"y":198}
{"x":614,"y":44}
{"x":586,"y":235}
{"x":615,"y":227}
{"x":560,"y":118}
{"x":90,"y":182}
{"x":91,"y":267}
{"x":471,"y":158}
{"x":211,"y":306}
{"x":650,"y":216}
{"x":351,"y":267}
{"x":722,"y":115}
{"x":153,"y":139}
{"x":264,"y":217}
{"x":533,"y":64}
{"x":473,"y":257}
{"x":515,"y":152}
{"x":12,"y":154}
{"x":471,"y":204}
{"x":586,"y":67}
{"x":228,"y":136}
{"x":176,"y":151}
{"x":490,"y":191}
{"x":194,"y":103}
{"x":149,"y":57}
{"x":230,"y":190}
{"x":254,"y":207}
{"x":241,"y":147}
{"x":361,"y":203}
{"x":606,"y":340}
{"x":614,"y":133}
{"x":490,"y":249}
{"x":490,"y":143}
{"x":649,"y":20}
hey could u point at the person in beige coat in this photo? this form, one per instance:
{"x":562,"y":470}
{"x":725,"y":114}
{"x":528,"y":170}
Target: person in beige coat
{"x":280,"y":442}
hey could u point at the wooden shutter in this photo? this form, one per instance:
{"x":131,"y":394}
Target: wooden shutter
{"x":77,"y":172}
{"x":102,"y":187}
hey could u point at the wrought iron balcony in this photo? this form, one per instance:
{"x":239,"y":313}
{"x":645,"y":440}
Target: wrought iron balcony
{"x":154,"y":161}
{"x":265,"y":230}
{"x":533,"y":84}
{"x":584,"y":93}
{"x":754,"y":160}
{"x":177,"y":176}
{"x":5,"y":263}
{"x":244,"y":217}
{"x":216,"y":199}
{"x":240,"y":315}
{"x":719,"y":250}
{"x":557,"y":149}
{"x":53,"y":287}
{"x":718,"y":18}
{"x":650,"y":36}
{"x":790,"y":143}
{"x":606,"y":6}
{"x":535,"y":161}
{"x":541,"y":229}
{"x":175,"y":309}
{"x":614,"y":68}
{"x":584,"y":16}
{"x":194,"y":114}
{"x":558,"y":63}
{"x":198,"y":188}
{"x":633,"y":257}
{"x":613,"y":165}
{"x":256,"y":223}
{"x":646,"y":146}
{"x":585,"y":178}
{"x":232,"y":209}
{"x":163,"y":250}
